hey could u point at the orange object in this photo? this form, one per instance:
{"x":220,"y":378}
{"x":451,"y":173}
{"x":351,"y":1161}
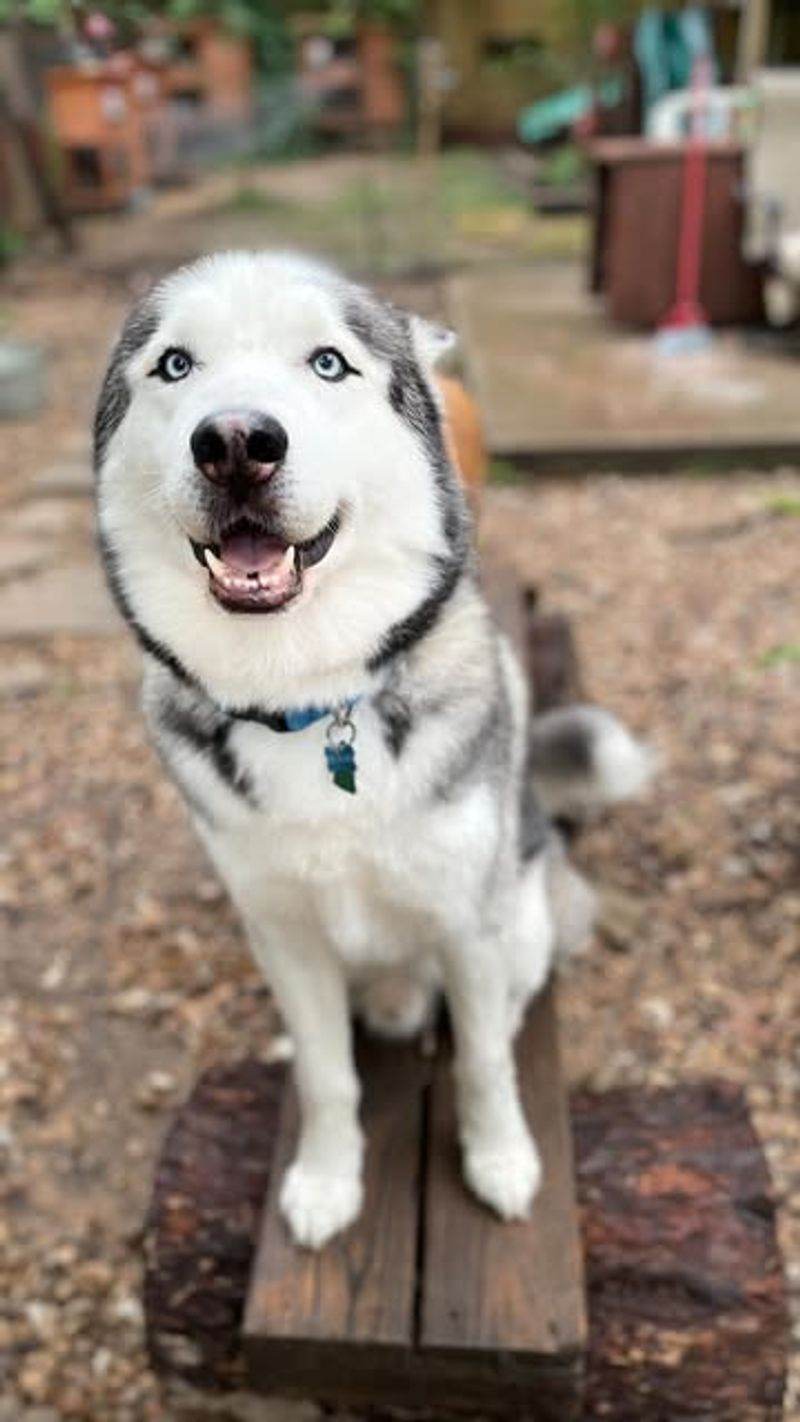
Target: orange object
{"x":382,"y":94}
{"x":97,"y":124}
{"x":215,"y":71}
{"x":465,"y":435}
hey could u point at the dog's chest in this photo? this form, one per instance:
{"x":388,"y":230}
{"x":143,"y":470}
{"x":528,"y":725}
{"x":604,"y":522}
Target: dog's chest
{"x":376,"y":871}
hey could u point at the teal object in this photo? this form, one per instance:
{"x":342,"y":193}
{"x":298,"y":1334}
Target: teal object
{"x":652,"y":58}
{"x":667,"y":46}
{"x":341,"y":761}
{"x":340,"y":756}
{"x":550,"y":117}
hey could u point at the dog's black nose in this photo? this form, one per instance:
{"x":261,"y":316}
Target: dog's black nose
{"x":239,"y":445}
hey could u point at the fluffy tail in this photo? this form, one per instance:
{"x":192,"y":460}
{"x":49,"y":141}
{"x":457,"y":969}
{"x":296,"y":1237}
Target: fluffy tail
{"x":583,"y":759}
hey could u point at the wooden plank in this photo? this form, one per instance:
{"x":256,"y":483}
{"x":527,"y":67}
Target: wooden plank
{"x":358,"y":1292}
{"x":506,"y":1300}
{"x":542,"y":637}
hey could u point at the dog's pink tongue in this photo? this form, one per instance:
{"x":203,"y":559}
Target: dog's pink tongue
{"x":251,"y":552}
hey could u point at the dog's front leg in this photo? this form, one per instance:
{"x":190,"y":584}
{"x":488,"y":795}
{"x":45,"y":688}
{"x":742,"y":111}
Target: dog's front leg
{"x":322,"y":1190}
{"x":500,"y":1159}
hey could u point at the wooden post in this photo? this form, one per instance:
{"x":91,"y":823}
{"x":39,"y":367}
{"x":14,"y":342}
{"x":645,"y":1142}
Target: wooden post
{"x":429,"y":142}
{"x":754,"y":31}
{"x":18,"y":112}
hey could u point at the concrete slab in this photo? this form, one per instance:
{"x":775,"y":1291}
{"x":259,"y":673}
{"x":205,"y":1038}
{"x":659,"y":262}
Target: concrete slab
{"x":75,"y":444}
{"x":18,"y":554}
{"x":69,"y":479}
{"x":46,"y":518}
{"x":71,"y":600}
{"x":557,"y":382}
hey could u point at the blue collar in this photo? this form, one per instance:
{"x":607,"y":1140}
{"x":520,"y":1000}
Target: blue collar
{"x":295,"y":720}
{"x":306,"y":716}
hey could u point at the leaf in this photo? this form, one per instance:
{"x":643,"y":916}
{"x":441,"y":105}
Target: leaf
{"x":784,"y":654}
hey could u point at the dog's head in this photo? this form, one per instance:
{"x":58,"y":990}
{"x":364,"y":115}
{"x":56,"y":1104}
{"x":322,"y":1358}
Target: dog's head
{"x":277,"y":507}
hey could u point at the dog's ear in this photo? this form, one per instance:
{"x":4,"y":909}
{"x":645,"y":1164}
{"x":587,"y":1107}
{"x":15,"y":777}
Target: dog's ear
{"x":433,"y":343}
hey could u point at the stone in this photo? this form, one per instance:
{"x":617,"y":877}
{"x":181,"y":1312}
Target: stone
{"x":621,"y":919}
{"x":22,"y":380}
{"x":22,"y":676}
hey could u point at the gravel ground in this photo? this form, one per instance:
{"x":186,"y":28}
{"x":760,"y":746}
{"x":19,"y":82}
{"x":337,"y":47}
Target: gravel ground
{"x":125,"y":973}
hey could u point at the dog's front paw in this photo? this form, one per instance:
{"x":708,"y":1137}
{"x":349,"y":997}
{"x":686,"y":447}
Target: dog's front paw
{"x":506,"y":1178}
{"x":317,"y":1206}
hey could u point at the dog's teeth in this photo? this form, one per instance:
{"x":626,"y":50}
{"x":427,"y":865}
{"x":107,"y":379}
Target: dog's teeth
{"x":215,"y":564}
{"x":276,"y":575}
{"x":225,"y":575}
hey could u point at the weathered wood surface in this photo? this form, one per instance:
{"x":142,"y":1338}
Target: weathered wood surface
{"x":494,"y":1300}
{"x":361,"y":1290}
{"x":203,"y":1220}
{"x":505,"y":1295}
{"x":687,"y":1302}
{"x":550,"y":656}
{"x":687,"y":1308}
{"x":543,"y":637}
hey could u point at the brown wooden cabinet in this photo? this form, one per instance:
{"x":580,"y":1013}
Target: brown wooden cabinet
{"x":638,"y":203}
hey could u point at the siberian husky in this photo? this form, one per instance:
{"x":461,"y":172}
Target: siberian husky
{"x":285,"y":533}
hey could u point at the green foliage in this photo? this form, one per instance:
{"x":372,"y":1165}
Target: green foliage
{"x":468,"y":181}
{"x":574,"y":23}
{"x":11,"y":243}
{"x":586,"y":15}
{"x":264,"y":22}
{"x":784,"y":506}
{"x":344,"y":15}
{"x":785,"y":654}
{"x":502,"y":471}
{"x":251,"y":199}
{"x":40,"y":12}
{"x":562,"y":167}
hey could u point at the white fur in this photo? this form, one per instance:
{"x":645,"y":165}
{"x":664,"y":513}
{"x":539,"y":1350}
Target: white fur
{"x":620,"y":765}
{"x":382,"y":896}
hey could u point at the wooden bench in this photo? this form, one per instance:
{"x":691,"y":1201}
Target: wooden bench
{"x":655,"y":1296}
{"x":686,"y":1308}
{"x":429,"y":1301}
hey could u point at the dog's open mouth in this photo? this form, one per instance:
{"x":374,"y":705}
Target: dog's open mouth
{"x":253,"y":570}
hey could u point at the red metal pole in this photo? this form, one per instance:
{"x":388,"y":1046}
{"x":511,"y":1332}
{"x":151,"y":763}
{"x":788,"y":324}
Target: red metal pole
{"x":688,"y":311}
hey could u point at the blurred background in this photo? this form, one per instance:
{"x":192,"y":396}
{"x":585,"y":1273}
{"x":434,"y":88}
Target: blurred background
{"x":603,"y":198}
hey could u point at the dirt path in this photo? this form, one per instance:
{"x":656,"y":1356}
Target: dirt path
{"x":124,"y":971}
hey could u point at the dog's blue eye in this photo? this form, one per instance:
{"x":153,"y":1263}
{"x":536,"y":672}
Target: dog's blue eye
{"x":174,"y":364}
{"x":328,"y":364}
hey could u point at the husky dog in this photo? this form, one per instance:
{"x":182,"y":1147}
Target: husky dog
{"x":283,"y":529}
